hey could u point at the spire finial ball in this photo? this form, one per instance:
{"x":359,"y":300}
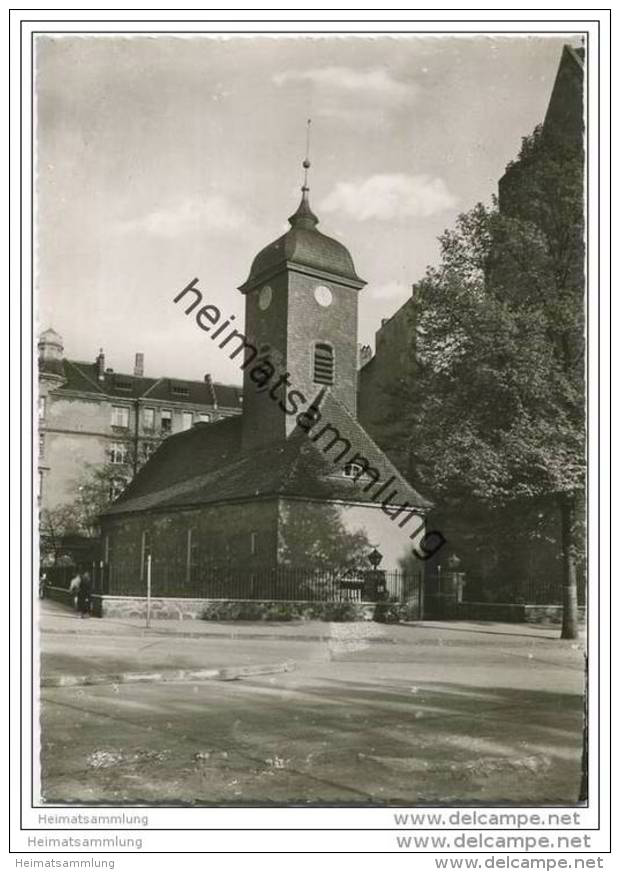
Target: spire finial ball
{"x":306,"y":164}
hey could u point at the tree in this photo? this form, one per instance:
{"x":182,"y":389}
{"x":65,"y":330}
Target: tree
{"x":496,"y":412}
{"x":54,"y":525}
{"x":318,"y":538}
{"x":95,"y":490}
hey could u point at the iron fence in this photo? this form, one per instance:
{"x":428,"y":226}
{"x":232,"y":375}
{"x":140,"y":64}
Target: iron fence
{"x":531,"y":591}
{"x":273,"y":583}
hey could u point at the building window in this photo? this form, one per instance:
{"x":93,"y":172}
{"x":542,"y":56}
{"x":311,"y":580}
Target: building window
{"x":253,"y":543}
{"x":118,"y":452}
{"x":148,"y":448}
{"x":120,"y":416}
{"x":188,"y":420}
{"x":42,"y":404}
{"x":40,"y":484}
{"x":117,"y":486}
{"x":191,"y":570}
{"x":41,"y":444}
{"x":204,"y":417}
{"x":148,"y":419}
{"x":146,"y":553}
{"x":323,"y":364}
{"x":166,"y":421}
{"x":352,"y":470}
{"x":180,"y":390}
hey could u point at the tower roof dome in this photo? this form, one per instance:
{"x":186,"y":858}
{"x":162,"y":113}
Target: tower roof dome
{"x":305,"y":247}
{"x":50,"y":336}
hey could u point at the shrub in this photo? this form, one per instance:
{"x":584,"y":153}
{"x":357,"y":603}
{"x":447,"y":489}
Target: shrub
{"x":265,"y":610}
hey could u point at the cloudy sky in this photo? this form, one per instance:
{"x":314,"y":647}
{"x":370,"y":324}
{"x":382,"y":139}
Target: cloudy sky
{"x":165,"y":158}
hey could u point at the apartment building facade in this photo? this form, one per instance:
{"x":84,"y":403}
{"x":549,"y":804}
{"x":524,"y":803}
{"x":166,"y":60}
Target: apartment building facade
{"x":90,"y":416}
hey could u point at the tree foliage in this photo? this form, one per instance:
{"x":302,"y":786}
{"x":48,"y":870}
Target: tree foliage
{"x":318,"y":538}
{"x":497,"y":404}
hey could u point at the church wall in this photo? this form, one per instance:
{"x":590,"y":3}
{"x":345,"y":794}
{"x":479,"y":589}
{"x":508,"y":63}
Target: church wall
{"x":221,"y":537}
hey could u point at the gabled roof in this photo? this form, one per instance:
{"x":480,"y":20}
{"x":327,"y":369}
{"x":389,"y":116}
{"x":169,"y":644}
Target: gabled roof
{"x":82,"y":377}
{"x":206,"y":465}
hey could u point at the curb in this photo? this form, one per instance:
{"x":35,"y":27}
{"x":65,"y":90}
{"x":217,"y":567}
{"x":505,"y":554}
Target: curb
{"x":225,"y":673}
{"x":235,"y":636}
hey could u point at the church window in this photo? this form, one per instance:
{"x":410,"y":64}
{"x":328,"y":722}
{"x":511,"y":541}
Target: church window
{"x":253,"y":543}
{"x":41,"y":408}
{"x":352,"y":470}
{"x":323,"y":364}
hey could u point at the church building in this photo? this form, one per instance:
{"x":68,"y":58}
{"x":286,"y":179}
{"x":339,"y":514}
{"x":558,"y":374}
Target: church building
{"x":294,"y":481}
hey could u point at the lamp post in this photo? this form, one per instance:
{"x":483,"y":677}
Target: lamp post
{"x":375,"y":557}
{"x":374,"y":589}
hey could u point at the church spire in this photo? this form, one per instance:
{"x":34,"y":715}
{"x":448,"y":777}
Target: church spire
{"x":304,"y":217}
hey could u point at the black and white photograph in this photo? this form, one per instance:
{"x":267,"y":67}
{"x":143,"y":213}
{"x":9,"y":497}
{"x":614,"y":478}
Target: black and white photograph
{"x":310,"y":327}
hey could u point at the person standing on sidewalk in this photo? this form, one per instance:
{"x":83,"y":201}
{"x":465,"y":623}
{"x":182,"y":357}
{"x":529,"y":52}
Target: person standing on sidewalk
{"x":74,"y":588}
{"x":83,"y":595}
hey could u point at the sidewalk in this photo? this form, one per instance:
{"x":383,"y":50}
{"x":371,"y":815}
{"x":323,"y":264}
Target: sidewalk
{"x":58,"y":619}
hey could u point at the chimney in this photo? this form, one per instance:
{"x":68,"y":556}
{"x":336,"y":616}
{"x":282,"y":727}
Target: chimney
{"x":138,"y":368}
{"x":364,"y":353}
{"x":209,"y":382}
{"x":100,"y":361}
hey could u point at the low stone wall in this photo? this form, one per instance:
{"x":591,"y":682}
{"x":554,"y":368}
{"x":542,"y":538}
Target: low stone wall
{"x":535,"y":614}
{"x":59,"y":595}
{"x":188,"y":609}
{"x":513,"y":613}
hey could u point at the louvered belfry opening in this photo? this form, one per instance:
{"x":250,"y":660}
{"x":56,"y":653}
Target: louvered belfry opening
{"x":323,"y":364}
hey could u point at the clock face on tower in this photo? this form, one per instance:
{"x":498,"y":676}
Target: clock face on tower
{"x":264,"y":297}
{"x":322,"y":295}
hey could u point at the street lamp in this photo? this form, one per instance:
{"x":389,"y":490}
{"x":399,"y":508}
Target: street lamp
{"x":375,"y":557}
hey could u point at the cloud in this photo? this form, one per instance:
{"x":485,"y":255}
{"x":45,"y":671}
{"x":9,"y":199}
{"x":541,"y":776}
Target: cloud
{"x":388,"y":196}
{"x":373,"y":83}
{"x":213,"y":212}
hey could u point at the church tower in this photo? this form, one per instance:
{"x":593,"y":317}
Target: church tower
{"x":301,"y":316}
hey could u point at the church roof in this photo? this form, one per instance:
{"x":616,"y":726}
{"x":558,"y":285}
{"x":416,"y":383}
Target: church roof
{"x":306,"y":247}
{"x":206,"y":465}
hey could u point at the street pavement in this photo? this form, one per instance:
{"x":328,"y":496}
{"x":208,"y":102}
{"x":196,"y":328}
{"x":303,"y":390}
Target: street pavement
{"x":371,"y":714}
